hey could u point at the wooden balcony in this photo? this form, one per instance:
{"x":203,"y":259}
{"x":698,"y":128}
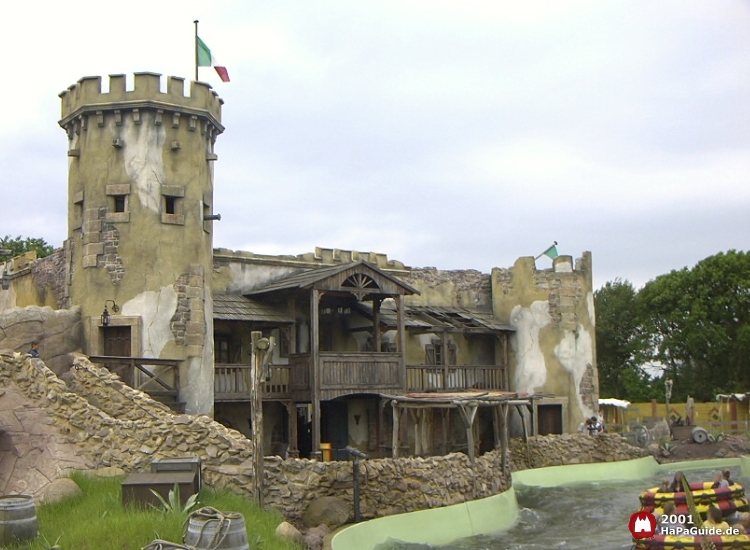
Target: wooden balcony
{"x":343,"y":373}
{"x":426,"y":378}
{"x":230,"y":382}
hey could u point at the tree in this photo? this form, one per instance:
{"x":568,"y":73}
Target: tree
{"x":698,"y":322}
{"x":620,"y":343}
{"x":19,"y":246}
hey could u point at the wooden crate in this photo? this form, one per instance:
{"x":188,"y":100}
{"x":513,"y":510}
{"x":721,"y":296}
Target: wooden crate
{"x":136,"y":488}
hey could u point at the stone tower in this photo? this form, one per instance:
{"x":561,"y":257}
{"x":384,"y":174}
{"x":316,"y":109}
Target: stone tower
{"x":140,"y":195}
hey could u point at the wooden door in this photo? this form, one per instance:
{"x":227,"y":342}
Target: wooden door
{"x":549,"y":419}
{"x":117,"y":341}
{"x":117,"y":344}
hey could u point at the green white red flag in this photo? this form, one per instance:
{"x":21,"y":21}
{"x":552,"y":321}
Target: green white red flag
{"x":207,"y":59}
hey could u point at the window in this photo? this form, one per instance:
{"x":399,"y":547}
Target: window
{"x":223,"y":349}
{"x":434,"y":353}
{"x":120,"y":203}
{"x":170,"y":205}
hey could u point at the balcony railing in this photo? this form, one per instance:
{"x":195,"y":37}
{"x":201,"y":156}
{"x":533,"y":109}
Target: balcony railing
{"x":425,"y":378}
{"x":159,"y":378}
{"x":230,"y":382}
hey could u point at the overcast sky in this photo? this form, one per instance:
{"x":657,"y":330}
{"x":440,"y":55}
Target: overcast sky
{"x":448,"y":134}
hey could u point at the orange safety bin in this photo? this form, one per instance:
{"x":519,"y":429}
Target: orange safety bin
{"x":326,"y":451}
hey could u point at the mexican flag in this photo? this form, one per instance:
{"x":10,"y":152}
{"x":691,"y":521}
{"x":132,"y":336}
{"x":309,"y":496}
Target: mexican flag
{"x":207,"y":59}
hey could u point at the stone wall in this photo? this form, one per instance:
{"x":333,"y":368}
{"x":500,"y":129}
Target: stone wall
{"x":558,"y":450}
{"x":467,"y":288}
{"x":93,"y":420}
{"x":59,"y":332}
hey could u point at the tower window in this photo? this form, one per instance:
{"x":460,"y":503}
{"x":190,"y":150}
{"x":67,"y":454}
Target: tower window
{"x":170,"y":205}
{"x":119,"y":202}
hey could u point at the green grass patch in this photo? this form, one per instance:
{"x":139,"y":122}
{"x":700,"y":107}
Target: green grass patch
{"x":97,"y":520}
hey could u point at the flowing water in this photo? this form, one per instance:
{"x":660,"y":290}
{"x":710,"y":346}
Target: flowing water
{"x":592,"y":516}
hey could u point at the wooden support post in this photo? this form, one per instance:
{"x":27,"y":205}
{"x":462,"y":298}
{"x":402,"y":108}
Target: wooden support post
{"x":401,"y":322}
{"x":519,"y":408}
{"x":257,"y":353}
{"x":381,"y":425}
{"x":292,"y":309}
{"x":414,"y":413}
{"x":496,"y":427}
{"x":446,"y":420}
{"x":291,"y":411}
{"x":376,"y":337}
{"x":444,"y":354}
{"x":396,"y":428}
{"x":506,"y":383}
{"x":315,"y":369}
{"x":468,"y":413}
{"x":504,"y":437}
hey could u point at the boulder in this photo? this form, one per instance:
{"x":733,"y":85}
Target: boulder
{"x":60,"y":489}
{"x":315,"y":537}
{"x":331,"y":511}
{"x":289,"y":532}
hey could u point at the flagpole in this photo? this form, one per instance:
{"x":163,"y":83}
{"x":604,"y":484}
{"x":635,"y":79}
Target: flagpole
{"x":196,"y":50}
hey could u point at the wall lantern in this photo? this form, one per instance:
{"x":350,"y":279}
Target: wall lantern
{"x":105,"y":314}
{"x":6,"y":280}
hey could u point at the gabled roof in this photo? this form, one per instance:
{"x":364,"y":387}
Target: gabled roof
{"x":232,"y":307}
{"x":315,"y":278}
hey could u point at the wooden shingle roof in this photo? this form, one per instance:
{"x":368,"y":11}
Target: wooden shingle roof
{"x":233,"y":307}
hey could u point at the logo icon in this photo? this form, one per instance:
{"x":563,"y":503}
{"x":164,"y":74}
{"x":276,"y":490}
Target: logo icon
{"x":642,"y":525}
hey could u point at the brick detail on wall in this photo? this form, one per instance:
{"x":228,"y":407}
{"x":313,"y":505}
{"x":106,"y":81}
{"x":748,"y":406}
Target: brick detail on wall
{"x":588,"y":388}
{"x":110,"y":258}
{"x":188,"y":324}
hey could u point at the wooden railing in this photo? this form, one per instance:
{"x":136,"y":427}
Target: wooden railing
{"x":156,"y":377}
{"x":424,"y":378}
{"x":230,"y":382}
{"x":360,"y":371}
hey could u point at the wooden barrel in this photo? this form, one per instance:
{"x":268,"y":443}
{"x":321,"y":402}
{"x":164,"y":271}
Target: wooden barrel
{"x":17,"y":519}
{"x":209,"y":529}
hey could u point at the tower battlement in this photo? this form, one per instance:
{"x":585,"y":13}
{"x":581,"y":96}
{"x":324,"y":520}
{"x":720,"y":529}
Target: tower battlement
{"x":85,"y":96}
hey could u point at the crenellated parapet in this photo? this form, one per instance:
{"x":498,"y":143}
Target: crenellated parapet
{"x":321,"y":257}
{"x":84,"y":101}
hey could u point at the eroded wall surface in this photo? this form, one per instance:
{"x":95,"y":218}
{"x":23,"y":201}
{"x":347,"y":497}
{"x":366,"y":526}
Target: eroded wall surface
{"x":552,"y":311}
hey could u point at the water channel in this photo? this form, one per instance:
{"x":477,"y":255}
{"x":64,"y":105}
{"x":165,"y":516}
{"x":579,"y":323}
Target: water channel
{"x":582,"y":516}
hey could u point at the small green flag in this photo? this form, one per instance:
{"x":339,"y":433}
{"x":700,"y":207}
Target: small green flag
{"x":551,"y":252}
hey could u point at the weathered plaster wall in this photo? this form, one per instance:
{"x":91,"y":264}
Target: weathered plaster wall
{"x":552,"y":311}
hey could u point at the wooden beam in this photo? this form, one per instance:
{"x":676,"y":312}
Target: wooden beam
{"x":256,"y":412}
{"x":291,"y":411}
{"x":396,"y":428}
{"x":400,"y":320}
{"x":376,"y":323}
{"x":504,"y":438}
{"x":315,"y":369}
{"x":519,"y":408}
{"x":291,"y":305}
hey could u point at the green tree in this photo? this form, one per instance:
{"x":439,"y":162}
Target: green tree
{"x":20,"y":245}
{"x":698,"y":322}
{"x":620,"y":343}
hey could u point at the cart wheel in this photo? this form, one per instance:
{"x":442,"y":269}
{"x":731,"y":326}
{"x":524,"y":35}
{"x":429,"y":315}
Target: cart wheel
{"x":642,"y":436}
{"x":699,"y":435}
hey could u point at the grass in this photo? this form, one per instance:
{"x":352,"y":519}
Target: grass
{"x":97,"y":520}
